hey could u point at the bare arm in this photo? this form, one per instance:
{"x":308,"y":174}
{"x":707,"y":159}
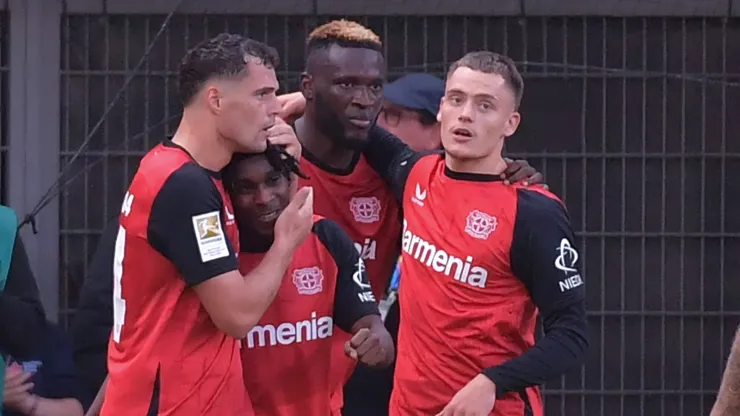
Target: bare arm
{"x":728,"y":398}
{"x":187,"y":225}
{"x":235,"y":302}
{"x":57,"y":407}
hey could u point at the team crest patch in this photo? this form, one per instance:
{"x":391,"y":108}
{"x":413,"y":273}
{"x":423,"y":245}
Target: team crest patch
{"x":308,"y":281}
{"x":365,"y":209}
{"x":480,"y":225}
{"x":210,"y":236}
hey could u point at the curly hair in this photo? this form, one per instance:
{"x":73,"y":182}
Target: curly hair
{"x":225,"y":55}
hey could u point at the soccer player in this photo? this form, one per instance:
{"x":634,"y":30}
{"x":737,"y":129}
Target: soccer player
{"x":179,"y":300}
{"x":342,"y":90}
{"x":481,"y":261}
{"x":287,"y":356}
{"x":728,"y":398}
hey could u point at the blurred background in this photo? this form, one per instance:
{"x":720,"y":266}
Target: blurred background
{"x":631,"y":110}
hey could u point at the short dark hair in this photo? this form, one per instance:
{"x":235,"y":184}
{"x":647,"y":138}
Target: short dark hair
{"x":493,"y":63}
{"x":344,"y":33}
{"x":225,"y":55}
{"x":278,"y":159}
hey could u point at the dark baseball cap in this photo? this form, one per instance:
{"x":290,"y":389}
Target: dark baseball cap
{"x":417,"y":91}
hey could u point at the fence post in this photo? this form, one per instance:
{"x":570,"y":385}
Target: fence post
{"x":33,"y":133}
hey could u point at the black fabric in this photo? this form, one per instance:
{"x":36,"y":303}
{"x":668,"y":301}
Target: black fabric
{"x":22,"y":327}
{"x":353,"y":298}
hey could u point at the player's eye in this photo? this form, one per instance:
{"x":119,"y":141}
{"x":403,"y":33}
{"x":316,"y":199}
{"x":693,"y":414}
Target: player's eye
{"x":347,"y":85}
{"x":486,"y":106}
{"x":273,"y":180}
{"x":376,"y":87}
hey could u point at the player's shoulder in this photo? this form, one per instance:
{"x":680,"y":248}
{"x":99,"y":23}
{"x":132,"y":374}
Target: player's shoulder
{"x":167,"y":166}
{"x":538,"y":202}
{"x":428,"y":162}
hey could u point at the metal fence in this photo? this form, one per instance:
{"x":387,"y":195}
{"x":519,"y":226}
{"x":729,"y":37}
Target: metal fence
{"x":628,"y":118}
{"x":3,"y":105}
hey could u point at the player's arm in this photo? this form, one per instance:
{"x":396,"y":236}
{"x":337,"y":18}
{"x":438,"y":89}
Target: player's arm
{"x":234,"y":302}
{"x":391,"y":158}
{"x":543,"y":256}
{"x":728,"y":398}
{"x":355,"y":308}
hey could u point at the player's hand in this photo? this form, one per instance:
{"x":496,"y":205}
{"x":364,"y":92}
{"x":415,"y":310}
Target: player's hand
{"x":282,"y":134}
{"x":295,"y":222}
{"x":475,"y":399}
{"x":521,"y":171}
{"x":372,"y":347}
{"x":17,"y":393}
{"x":293,"y":105}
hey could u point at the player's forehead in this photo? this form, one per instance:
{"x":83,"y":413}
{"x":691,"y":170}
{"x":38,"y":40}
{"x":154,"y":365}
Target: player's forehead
{"x":258,"y":76}
{"x":360,"y":63}
{"x":254,"y":169}
{"x":469,"y":82}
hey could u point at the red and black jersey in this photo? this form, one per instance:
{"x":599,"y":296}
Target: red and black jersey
{"x":364,"y":206}
{"x":360,"y":201}
{"x":165,"y":355}
{"x":287,"y":356}
{"x":481,"y":260}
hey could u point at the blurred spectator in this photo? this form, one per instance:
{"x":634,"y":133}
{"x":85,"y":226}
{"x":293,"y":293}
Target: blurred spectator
{"x":20,"y":335}
{"x":45,"y":384}
{"x":93,"y":320}
{"x":410,"y":110}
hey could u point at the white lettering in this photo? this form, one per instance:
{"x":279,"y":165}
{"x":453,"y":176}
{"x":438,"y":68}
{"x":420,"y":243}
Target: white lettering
{"x":368,"y":250}
{"x":442,"y":262}
{"x":128,"y":201}
{"x":288,"y":333}
{"x":571,"y":282}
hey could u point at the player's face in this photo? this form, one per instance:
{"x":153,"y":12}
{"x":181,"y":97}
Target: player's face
{"x":476,"y":114}
{"x":249,"y":107}
{"x":260,"y":193}
{"x":406,"y":125}
{"x":348,"y":93}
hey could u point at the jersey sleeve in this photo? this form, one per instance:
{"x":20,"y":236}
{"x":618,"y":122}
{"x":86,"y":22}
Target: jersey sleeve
{"x":353,"y":298}
{"x":544,"y":257}
{"x":391,"y":158}
{"x":187,"y":199}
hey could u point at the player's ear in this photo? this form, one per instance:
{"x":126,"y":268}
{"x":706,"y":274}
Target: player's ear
{"x":214,"y":98}
{"x":439,"y":112}
{"x":512,"y":124}
{"x":307,"y":86}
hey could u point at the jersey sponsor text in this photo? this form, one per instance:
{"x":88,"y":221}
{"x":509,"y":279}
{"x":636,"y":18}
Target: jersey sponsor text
{"x":286,"y":333}
{"x":368,"y":249}
{"x":440,"y":261}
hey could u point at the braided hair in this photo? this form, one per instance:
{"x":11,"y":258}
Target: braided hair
{"x":276,"y":156}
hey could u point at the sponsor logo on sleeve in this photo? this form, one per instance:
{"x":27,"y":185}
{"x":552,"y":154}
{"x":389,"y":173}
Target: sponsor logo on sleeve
{"x":210,"y":236}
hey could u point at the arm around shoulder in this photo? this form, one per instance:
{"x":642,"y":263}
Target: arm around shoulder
{"x":187,"y":198}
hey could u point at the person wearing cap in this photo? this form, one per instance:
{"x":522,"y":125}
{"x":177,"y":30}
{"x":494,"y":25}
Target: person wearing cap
{"x":410,"y":110}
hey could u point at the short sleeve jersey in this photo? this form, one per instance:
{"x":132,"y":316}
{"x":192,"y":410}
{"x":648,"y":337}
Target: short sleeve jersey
{"x":287,"y":356}
{"x":165,"y":355}
{"x":466,"y":272}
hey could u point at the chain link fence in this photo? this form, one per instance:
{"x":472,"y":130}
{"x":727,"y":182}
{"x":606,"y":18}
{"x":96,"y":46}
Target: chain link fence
{"x":628,"y":118}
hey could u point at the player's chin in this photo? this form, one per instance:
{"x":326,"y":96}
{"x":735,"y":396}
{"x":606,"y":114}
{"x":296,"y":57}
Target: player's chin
{"x":255,"y":144}
{"x":460,"y":151}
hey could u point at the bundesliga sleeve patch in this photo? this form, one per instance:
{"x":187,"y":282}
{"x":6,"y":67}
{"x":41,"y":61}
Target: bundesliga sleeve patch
{"x":210,"y":236}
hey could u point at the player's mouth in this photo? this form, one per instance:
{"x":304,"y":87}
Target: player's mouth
{"x":360,"y":123}
{"x":462,"y":134}
{"x":268,"y":216}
